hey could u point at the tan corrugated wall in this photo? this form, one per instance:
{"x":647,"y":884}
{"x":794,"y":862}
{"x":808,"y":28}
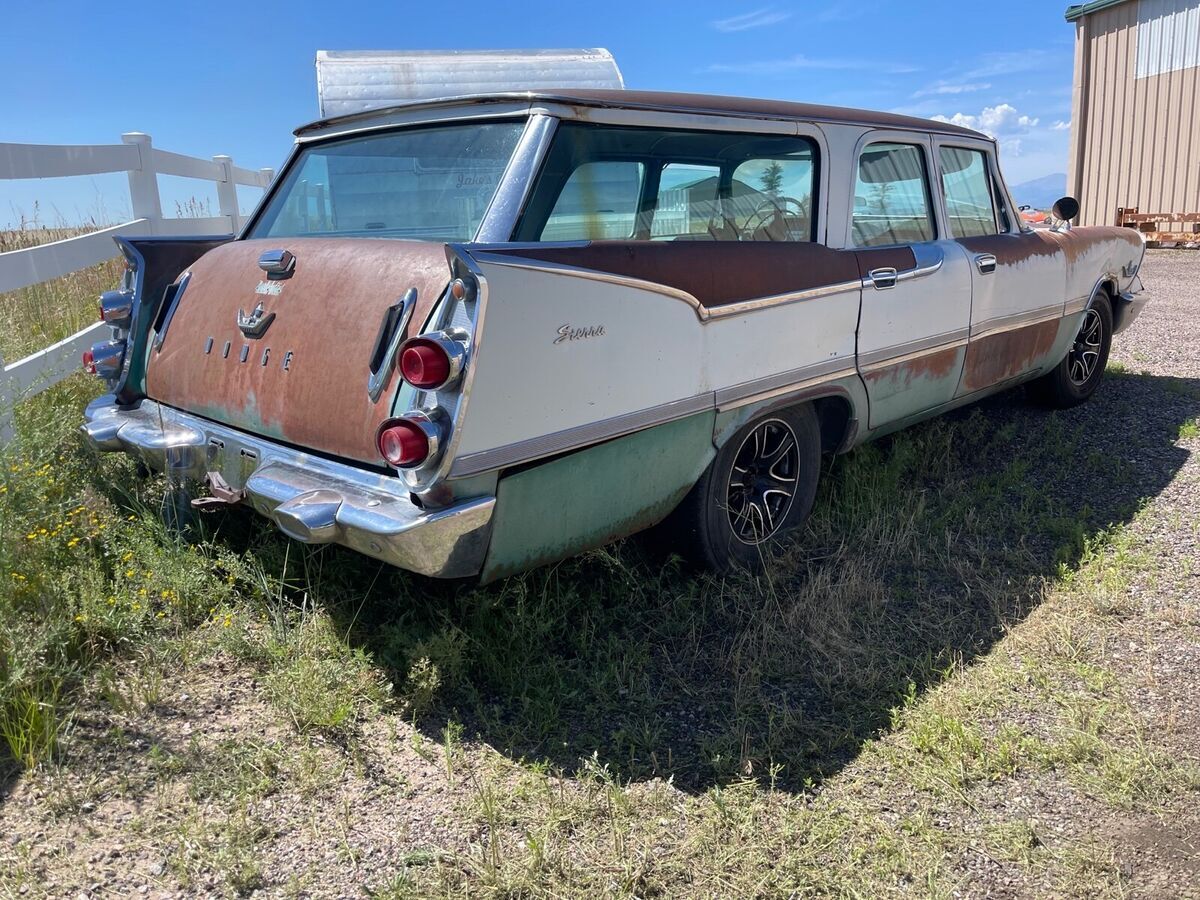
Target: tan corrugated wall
{"x":1135,"y":142}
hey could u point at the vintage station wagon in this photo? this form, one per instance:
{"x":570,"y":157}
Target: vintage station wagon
{"x":471,"y":336}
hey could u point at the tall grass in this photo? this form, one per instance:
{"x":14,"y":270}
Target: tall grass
{"x":36,"y":316}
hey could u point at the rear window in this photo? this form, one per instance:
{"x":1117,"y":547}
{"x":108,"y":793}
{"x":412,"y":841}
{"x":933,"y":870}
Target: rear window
{"x":424,"y":183}
{"x":607,"y":183}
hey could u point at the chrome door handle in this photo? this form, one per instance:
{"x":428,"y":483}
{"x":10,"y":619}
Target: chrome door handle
{"x":883,"y":278}
{"x":985,"y":263}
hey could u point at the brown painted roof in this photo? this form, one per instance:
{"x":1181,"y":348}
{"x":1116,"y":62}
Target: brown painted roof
{"x":703,"y":104}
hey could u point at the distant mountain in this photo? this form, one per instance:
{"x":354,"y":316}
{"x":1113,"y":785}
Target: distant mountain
{"x":1041,"y":192}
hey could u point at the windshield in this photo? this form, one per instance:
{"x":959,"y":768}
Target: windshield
{"x":433,"y":183}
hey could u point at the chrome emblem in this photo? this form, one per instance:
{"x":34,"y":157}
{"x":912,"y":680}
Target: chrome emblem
{"x":269,"y":288}
{"x":569,"y":333}
{"x":278,"y":264}
{"x":255,"y":324}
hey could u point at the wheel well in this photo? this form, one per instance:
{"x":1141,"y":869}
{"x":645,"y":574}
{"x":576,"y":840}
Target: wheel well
{"x":835,"y":416}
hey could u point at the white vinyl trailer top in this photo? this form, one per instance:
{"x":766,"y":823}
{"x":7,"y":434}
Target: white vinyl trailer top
{"x":353,"y":81}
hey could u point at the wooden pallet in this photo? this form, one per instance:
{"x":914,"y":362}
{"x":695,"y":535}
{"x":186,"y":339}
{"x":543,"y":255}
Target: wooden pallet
{"x":1157,"y":230}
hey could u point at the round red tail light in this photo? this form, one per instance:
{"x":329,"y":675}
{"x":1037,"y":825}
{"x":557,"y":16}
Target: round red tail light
{"x":424,"y":363}
{"x":403,"y":443}
{"x":89,"y":362}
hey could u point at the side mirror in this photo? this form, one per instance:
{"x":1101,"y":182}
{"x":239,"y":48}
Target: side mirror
{"x":1065,"y":210}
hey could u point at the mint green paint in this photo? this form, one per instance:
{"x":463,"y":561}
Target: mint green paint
{"x":596,"y":495}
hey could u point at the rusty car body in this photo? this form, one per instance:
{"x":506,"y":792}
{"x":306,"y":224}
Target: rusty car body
{"x":470,"y":336}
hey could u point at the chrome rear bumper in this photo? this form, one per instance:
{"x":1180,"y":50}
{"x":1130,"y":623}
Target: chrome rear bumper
{"x":311,"y":499}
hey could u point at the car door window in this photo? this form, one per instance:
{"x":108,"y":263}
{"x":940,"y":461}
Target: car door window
{"x":598,"y":202}
{"x":967,"y":186}
{"x":687,"y":201}
{"x":891,"y":197}
{"x":772,"y":198}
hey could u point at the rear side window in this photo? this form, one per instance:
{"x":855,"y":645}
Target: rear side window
{"x":891,"y":197}
{"x":598,"y":202}
{"x":967,"y":185}
{"x":649,"y":184}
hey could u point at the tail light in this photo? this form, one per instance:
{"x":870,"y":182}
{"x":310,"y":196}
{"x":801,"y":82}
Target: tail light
{"x":434,"y":361}
{"x":410,"y":441}
{"x":105,"y":359}
{"x":116,"y":308}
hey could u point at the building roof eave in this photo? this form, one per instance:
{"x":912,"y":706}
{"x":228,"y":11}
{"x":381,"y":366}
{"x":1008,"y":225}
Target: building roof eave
{"x":1079,"y":10}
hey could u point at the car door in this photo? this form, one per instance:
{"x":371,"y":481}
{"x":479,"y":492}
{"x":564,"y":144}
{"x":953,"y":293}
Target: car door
{"x":916,"y":297}
{"x":1018,"y":277}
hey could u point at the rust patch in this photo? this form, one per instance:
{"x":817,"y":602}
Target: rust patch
{"x":304,"y":381}
{"x":1014,"y":249}
{"x":997,"y":357}
{"x":915,"y":374}
{"x":716,"y":273}
{"x":1078,"y":241}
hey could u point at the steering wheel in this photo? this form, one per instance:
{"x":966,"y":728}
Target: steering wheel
{"x":769,"y":212}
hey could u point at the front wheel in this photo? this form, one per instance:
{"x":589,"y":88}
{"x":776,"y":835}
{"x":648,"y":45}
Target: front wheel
{"x":1076,"y":378}
{"x":760,"y":486}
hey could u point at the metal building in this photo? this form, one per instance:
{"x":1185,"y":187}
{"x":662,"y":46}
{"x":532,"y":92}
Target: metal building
{"x":1135,"y":123}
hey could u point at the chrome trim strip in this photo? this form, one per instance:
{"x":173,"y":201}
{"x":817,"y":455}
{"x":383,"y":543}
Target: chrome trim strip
{"x":310,"y":498}
{"x":703,"y":313}
{"x":744,"y":306}
{"x":554,"y":268}
{"x":594,"y":432}
{"x":1014,"y":321}
{"x":1078,"y":305}
{"x":577,"y":437}
{"x":764,"y":388}
{"x":885,"y":356}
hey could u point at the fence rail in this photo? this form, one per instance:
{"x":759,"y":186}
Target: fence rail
{"x":142,"y":162}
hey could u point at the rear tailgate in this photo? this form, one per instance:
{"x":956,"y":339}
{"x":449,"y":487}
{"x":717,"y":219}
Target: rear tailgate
{"x":303,"y":380}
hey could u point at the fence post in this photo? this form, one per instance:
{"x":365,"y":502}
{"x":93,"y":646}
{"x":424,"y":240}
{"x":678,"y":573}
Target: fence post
{"x":143,"y":182}
{"x":227,"y":192}
{"x":6,"y":408}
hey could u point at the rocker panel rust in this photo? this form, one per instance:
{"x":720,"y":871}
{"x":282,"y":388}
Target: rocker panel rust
{"x":327,"y":318}
{"x":997,"y":357}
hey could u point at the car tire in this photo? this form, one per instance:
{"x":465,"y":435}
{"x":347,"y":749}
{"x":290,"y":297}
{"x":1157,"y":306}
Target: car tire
{"x":737,"y":512}
{"x":1078,"y":375}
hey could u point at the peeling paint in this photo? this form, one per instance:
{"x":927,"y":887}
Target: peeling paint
{"x":998,"y":357}
{"x":615,"y":489}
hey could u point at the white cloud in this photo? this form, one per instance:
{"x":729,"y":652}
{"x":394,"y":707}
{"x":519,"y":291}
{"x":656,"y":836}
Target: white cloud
{"x":992,"y":65}
{"x":760,"y":18}
{"x":942,"y":88}
{"x":801,"y":62}
{"x":998,"y":121}
{"x":1061,"y":126}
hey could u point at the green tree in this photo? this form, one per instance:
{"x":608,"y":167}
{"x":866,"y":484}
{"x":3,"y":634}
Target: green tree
{"x":772,"y":179}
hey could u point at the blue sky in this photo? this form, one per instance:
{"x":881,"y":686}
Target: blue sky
{"x":205,"y":78}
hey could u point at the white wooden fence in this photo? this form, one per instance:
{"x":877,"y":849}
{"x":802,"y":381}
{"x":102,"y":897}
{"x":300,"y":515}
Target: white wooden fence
{"x":143,"y":163}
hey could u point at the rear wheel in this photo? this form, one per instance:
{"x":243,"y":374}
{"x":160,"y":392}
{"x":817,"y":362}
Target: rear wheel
{"x":760,"y":486}
{"x":1076,"y":378}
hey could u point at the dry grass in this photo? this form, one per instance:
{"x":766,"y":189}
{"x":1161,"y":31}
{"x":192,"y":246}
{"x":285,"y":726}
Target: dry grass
{"x":929,"y":693}
{"x":39,"y":315}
